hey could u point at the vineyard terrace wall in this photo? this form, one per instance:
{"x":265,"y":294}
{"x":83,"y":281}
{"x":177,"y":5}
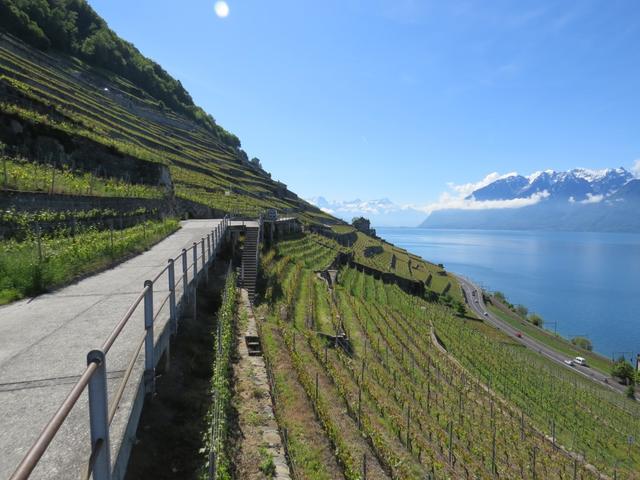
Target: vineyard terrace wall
{"x":411,"y":287}
{"x":45,"y":144}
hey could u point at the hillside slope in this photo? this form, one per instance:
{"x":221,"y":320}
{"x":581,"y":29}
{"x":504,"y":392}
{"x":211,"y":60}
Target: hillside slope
{"x":435,"y":395}
{"x":59,"y":111}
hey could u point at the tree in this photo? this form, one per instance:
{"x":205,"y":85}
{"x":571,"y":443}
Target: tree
{"x":631,"y":391}
{"x":624,"y":371}
{"x":500,"y":296}
{"x":522,"y":310}
{"x":536,"y":319}
{"x":461,"y":309}
{"x":582,"y":342}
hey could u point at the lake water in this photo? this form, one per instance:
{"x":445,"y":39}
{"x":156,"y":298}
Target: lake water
{"x":588,"y":283}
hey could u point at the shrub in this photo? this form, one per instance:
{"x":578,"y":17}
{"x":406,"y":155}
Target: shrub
{"x":624,"y":371}
{"x":582,"y":342}
{"x":536,"y":319}
{"x":522,"y":310}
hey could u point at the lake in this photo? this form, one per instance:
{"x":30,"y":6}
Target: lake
{"x":581,"y":283}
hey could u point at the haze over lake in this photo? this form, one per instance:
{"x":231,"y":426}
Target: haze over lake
{"x":589,"y":283}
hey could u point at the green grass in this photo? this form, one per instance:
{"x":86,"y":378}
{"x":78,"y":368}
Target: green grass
{"x":304,"y":447}
{"x":552,"y":340}
{"x":343,"y":229}
{"x":31,"y":267}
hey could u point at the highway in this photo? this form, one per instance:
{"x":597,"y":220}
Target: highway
{"x":475,"y":302}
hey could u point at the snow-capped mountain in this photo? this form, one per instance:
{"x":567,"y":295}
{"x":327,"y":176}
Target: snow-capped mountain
{"x":579,"y":200}
{"x":579,"y":184}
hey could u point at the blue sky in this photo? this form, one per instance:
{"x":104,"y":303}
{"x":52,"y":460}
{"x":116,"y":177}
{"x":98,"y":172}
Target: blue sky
{"x":369,"y":99}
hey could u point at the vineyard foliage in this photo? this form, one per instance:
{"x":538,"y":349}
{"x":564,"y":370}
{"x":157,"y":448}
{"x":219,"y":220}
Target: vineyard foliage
{"x":216,"y":436}
{"x":18,"y":173}
{"x":430,"y":392}
{"x":41,"y":262}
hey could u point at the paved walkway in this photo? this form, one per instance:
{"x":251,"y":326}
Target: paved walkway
{"x":43,"y":346}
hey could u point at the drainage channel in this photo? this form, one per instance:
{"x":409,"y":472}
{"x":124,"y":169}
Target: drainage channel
{"x":169,"y":436}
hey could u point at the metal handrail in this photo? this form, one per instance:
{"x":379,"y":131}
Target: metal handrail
{"x":160,"y":273}
{"x":164,"y":302}
{"x":100,"y":451}
{"x":106,"y":346}
{"x":125,"y":378}
{"x":36,"y":451}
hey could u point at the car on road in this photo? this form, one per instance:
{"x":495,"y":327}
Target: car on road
{"x":569,"y":362}
{"x":518,"y":334}
{"x":486,"y":314}
{"x":580,"y":361}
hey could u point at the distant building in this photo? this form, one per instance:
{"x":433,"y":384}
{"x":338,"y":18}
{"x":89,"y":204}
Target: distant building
{"x":363,"y":225}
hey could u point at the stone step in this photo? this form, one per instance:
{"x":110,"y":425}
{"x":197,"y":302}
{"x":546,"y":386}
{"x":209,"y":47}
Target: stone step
{"x":253,"y":344}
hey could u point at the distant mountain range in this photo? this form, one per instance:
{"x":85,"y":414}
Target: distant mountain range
{"x":381,"y":212}
{"x":577,"y":200}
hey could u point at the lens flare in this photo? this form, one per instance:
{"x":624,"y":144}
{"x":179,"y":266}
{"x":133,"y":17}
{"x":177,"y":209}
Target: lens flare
{"x":222,"y":9}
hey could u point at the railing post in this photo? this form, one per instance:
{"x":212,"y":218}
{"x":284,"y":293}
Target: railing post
{"x":209,"y":237}
{"x":99,"y":417}
{"x":195,"y":262}
{"x":149,"y":361}
{"x":194,"y":287}
{"x":203,"y":255}
{"x":173,"y":318}
{"x":205,"y":267}
{"x":185,"y":283}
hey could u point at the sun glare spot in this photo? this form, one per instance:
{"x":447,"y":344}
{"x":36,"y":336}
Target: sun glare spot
{"x":222,"y":9}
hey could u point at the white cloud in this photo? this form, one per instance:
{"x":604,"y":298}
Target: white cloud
{"x":636,"y":168}
{"x":467,"y":189}
{"x":592,"y":198}
{"x":448,"y":202}
{"x":457,"y":199}
{"x":327,"y":210}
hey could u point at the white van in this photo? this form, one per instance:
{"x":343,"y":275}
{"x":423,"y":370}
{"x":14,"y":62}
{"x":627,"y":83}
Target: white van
{"x":580,"y":361}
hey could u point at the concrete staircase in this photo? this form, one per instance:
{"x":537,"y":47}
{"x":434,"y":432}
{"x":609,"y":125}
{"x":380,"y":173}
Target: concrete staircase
{"x":250,"y":261}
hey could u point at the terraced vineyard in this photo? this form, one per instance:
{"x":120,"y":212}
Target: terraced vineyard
{"x":74,"y":132}
{"x":38,"y":263}
{"x":72,"y":98}
{"x":404,"y":264}
{"x":430,"y":393}
{"x":20,"y":174}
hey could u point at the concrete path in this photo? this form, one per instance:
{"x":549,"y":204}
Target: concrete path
{"x":43,"y":346}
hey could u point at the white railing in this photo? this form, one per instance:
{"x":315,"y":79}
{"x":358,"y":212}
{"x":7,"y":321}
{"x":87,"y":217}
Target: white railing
{"x":101,"y":411}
